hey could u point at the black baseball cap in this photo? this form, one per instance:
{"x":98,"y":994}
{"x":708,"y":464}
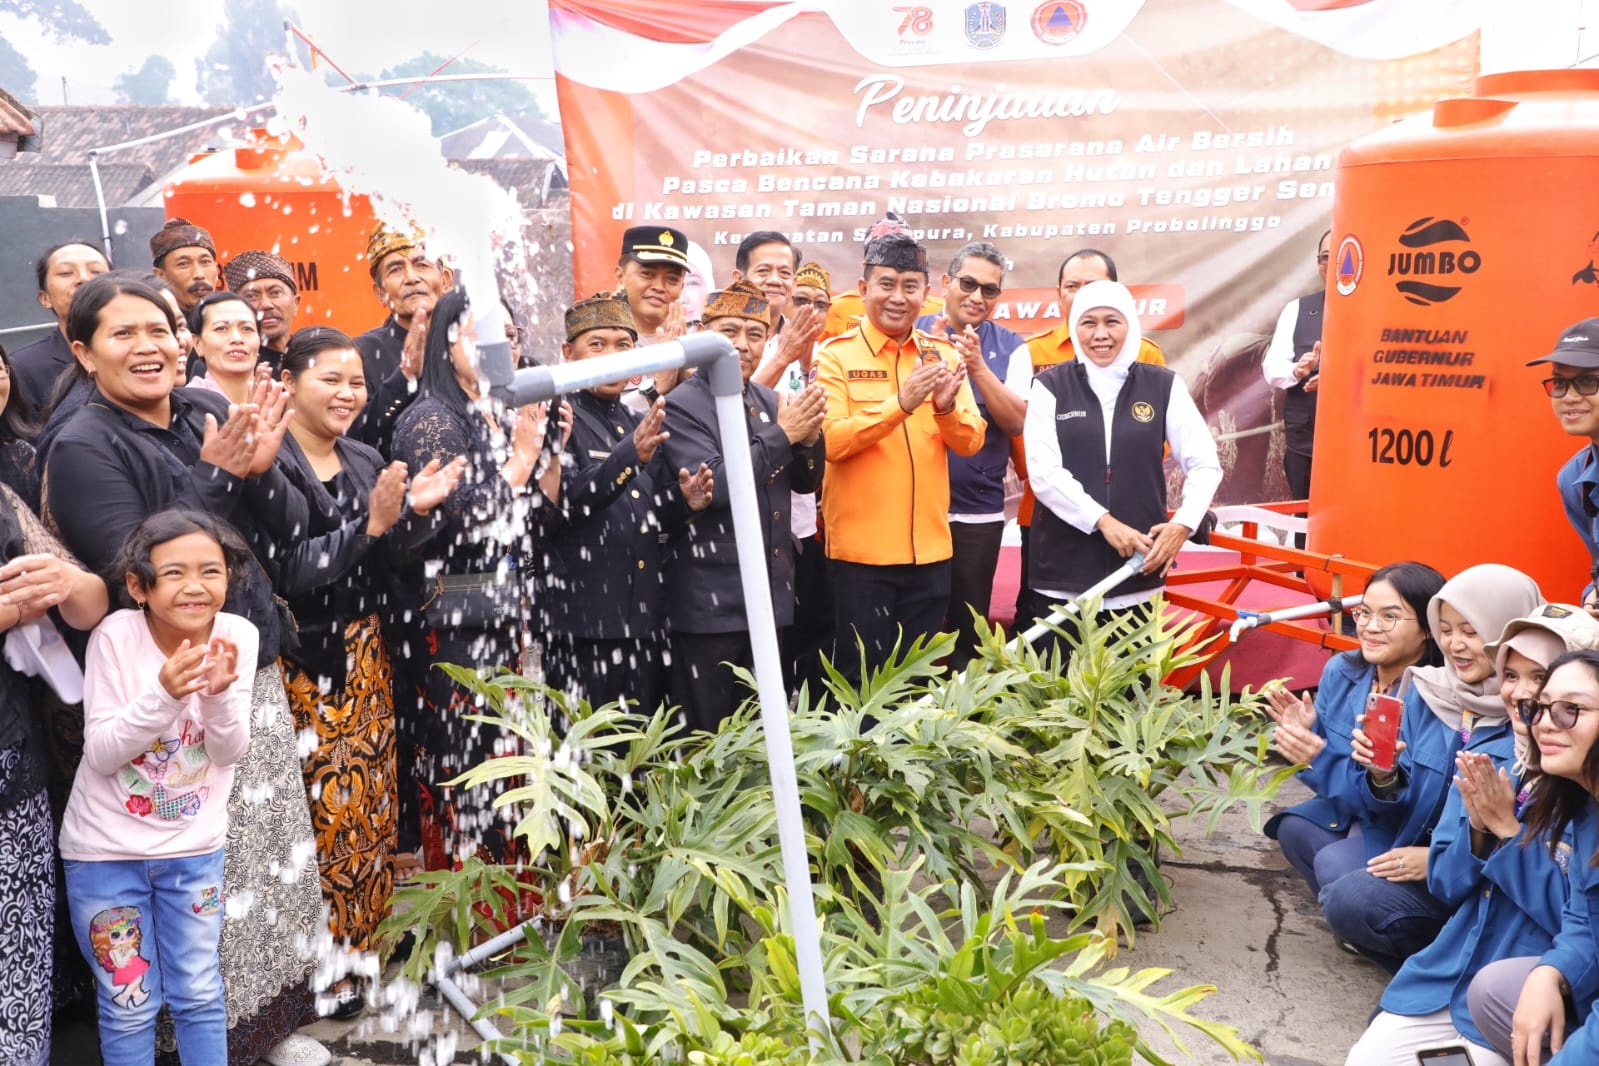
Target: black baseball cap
{"x":656,"y":244}
{"x":1578,"y":346}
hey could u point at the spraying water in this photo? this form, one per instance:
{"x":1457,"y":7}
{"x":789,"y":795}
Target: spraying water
{"x":469,"y":219}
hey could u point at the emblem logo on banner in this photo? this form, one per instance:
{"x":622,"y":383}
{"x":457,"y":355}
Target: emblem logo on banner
{"x":916,"y":21}
{"x":1058,"y":21}
{"x":1351,"y":264}
{"x":985,"y":24}
{"x":1441,"y":267}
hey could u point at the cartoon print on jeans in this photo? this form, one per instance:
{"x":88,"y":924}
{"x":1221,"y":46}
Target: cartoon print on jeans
{"x":115,"y":936}
{"x":210,"y":901}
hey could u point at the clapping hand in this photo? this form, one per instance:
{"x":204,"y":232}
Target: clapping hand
{"x":435,"y":483}
{"x":386,"y":502}
{"x":1295,"y":736}
{"x":697,"y":487}
{"x":1487,"y":795}
{"x":271,"y":401}
{"x":221,"y":666}
{"x":674,"y":326}
{"x":648,"y":434}
{"x":415,"y":346}
{"x":799,"y":335}
{"x":800,"y":415}
{"x":186,"y":671}
{"x":947,"y":387}
{"x":230,"y":447}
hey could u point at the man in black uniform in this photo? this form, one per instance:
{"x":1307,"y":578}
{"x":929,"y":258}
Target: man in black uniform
{"x":602,"y":599}
{"x":408,"y":283}
{"x":267,"y":282}
{"x":704,"y":597}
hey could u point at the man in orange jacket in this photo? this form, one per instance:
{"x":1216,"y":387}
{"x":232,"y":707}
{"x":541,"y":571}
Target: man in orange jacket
{"x":896,"y":398}
{"x":1051,"y":348}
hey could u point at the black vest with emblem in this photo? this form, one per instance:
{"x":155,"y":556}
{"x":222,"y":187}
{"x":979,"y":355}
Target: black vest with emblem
{"x":1299,"y":406}
{"x":1132,"y":486}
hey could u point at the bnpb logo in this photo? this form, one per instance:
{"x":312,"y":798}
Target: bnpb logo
{"x":1434,"y":268}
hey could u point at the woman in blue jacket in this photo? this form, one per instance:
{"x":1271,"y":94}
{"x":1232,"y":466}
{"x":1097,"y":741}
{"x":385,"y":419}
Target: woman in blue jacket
{"x":1561,"y":986}
{"x":1385,"y":911}
{"x":1391,"y":623}
{"x":1508,"y":898}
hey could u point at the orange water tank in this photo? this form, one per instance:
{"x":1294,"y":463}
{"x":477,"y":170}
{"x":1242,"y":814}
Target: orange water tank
{"x":1463,"y":241}
{"x":272,"y":195}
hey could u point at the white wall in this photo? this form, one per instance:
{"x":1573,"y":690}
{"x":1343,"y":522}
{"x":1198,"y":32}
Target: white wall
{"x":1539,"y":34}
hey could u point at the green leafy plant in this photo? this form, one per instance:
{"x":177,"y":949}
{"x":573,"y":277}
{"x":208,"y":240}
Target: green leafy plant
{"x":917,"y":789}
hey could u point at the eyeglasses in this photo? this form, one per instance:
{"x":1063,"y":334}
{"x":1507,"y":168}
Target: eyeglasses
{"x":1323,"y":257}
{"x":1563,"y":714}
{"x":818,"y":302}
{"x":971,"y":284}
{"x":1362,"y":616}
{"x":1585,"y":384}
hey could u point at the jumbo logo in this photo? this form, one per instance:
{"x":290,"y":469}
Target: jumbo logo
{"x":1429,"y":262}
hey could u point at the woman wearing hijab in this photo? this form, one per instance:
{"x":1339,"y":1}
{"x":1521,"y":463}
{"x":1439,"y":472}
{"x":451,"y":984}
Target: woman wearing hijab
{"x":1097,"y":511}
{"x":1386,"y":911}
{"x":1508,"y":890}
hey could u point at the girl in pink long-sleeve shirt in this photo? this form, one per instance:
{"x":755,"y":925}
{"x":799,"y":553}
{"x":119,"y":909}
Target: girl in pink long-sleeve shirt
{"x":166,"y":715}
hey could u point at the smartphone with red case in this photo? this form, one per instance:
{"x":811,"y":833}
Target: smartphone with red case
{"x":1382,"y":728}
{"x":1454,"y":1055}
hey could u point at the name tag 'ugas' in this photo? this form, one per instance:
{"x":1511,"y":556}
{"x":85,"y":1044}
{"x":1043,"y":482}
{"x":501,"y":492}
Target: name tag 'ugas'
{"x":867,"y":375}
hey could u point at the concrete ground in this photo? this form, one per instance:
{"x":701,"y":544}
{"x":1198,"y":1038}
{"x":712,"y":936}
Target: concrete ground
{"x":1243,"y":922}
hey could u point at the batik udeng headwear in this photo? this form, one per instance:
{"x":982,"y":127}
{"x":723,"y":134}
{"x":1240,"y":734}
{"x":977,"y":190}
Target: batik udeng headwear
{"x":813,"y":275}
{"x":1487,"y":597}
{"x":603,"y":310}
{"x":738,"y":300}
{"x":179,"y":233}
{"x":898,"y":251}
{"x":254,"y":266}
{"x":386,"y":239}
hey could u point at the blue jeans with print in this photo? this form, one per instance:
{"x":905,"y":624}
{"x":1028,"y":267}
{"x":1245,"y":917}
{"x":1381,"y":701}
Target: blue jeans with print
{"x":150,"y":930}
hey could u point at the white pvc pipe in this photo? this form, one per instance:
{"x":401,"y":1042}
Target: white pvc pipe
{"x":1248,"y":620}
{"x":739,"y":471}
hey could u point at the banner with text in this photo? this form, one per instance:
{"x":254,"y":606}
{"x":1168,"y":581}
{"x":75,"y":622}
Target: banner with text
{"x":1193,"y":140}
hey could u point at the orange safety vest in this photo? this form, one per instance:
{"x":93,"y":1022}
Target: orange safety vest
{"x":885,"y":497}
{"x":1051,"y":348}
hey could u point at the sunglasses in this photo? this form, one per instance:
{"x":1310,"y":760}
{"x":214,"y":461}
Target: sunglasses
{"x":1585,"y":384}
{"x":971,"y":284}
{"x":807,"y":301}
{"x":1563,"y":714}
